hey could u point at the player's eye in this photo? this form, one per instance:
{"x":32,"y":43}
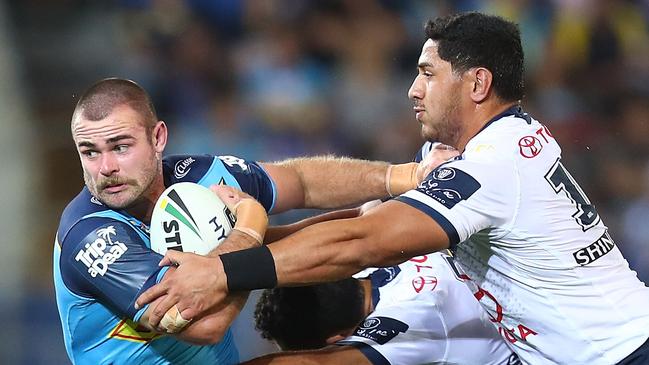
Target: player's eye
{"x":89,"y":153}
{"x":121,"y":148}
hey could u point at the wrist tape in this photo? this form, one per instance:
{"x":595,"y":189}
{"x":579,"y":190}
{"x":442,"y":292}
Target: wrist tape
{"x":401,"y":178}
{"x":251,"y":219}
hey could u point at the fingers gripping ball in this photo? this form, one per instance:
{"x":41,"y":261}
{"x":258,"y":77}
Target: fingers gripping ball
{"x":189,"y":218}
{"x":250,"y":214}
{"x":172,"y":321}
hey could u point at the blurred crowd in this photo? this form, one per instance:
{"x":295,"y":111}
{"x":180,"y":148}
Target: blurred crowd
{"x":270,"y":79}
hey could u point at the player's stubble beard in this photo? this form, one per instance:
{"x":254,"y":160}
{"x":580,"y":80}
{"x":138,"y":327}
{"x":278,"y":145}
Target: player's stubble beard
{"x":137,"y":188}
{"x":444,"y":128}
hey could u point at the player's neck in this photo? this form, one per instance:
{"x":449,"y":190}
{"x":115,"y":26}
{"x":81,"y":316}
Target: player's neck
{"x":366,"y":285}
{"x":481,"y":115}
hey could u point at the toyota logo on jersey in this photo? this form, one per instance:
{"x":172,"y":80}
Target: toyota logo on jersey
{"x":529,"y":146}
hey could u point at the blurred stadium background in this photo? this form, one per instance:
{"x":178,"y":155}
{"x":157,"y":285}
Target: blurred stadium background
{"x":272,"y":79}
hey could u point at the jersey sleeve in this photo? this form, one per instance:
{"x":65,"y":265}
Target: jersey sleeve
{"x":107,"y":260}
{"x":403,"y":333}
{"x":208,"y":170}
{"x":252,"y":179}
{"x":466,"y":197}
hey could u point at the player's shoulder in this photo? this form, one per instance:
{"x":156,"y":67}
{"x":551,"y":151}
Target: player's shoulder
{"x":198,"y":168}
{"x":510,"y":138}
{"x":190,"y":168}
{"x":83,"y":205}
{"x":85,"y":214}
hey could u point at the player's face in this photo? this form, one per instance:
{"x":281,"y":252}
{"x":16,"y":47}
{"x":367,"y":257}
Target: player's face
{"x":120,"y":160}
{"x":435,"y":93}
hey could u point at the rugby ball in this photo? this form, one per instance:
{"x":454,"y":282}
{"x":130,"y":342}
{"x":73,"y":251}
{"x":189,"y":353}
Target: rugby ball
{"x":189,"y":217}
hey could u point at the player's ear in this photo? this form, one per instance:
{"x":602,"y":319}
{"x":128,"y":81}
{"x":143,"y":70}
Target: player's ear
{"x":481,"y":79}
{"x":159,"y":137}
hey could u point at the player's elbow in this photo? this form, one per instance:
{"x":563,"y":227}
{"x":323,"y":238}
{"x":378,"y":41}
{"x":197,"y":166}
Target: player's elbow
{"x":205,"y":339}
{"x":212,"y":338}
{"x":204,"y":335}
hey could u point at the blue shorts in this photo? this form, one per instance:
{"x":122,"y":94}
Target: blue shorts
{"x":638,"y":357}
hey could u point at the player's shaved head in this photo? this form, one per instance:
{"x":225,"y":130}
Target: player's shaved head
{"x":101,"y":98}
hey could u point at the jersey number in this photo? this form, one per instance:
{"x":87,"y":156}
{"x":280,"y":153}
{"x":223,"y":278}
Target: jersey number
{"x":561,"y":181}
{"x":459,"y":273}
{"x":234,"y":161}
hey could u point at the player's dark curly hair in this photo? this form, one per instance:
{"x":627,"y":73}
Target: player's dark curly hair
{"x":473,"y":39}
{"x":302,"y":318}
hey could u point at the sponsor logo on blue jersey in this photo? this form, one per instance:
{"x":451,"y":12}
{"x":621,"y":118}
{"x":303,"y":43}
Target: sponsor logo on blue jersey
{"x":182,"y":167}
{"x":100,"y":253}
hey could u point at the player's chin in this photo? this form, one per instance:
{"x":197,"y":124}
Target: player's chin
{"x":429,"y":134}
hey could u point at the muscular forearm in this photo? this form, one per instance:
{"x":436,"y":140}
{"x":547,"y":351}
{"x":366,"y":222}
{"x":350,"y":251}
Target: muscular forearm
{"x":278,"y":232}
{"x":333,"y":250}
{"x":209,"y":329}
{"x":331,"y":182}
{"x":236,"y":240}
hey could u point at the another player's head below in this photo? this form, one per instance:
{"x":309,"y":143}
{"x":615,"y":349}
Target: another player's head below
{"x":120,"y":142}
{"x":312,"y":317}
{"x":470,"y":68}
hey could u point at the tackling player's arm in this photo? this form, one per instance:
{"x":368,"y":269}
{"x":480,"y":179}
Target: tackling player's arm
{"x":332,"y":182}
{"x":342,"y":175}
{"x":386,"y":235}
{"x":328,"y":355}
{"x":278,"y":232}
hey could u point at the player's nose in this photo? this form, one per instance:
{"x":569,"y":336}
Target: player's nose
{"x":108,"y":165}
{"x":416,"y":90}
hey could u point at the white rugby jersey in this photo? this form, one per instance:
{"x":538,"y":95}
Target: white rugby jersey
{"x":536,"y":252}
{"x":424,"y":314}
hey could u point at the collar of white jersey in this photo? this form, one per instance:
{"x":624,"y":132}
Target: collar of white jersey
{"x":514,"y":110}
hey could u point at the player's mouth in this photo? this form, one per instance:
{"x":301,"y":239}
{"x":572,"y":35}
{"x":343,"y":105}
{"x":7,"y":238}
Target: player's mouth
{"x":114,"y":188}
{"x":419,"y":112}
